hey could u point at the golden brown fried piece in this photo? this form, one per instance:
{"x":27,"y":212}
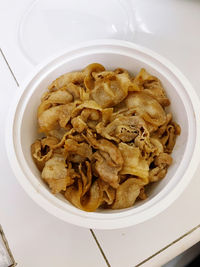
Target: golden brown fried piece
{"x":42,"y":151}
{"x":83,"y":194}
{"x":55,"y":117}
{"x":134,"y":163}
{"x":74,"y":148}
{"x":64,"y":80}
{"x":122,"y":128}
{"x":90,"y":71}
{"x":161,"y":162}
{"x":151,"y":86}
{"x":108,"y":191}
{"x":147,"y":107}
{"x":108,"y":159}
{"x":110,"y":88}
{"x":89,"y":202}
{"x":55,"y":174}
{"x":126,"y":194}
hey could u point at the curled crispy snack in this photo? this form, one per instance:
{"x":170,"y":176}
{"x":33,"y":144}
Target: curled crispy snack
{"x":74,"y":148}
{"x":55,"y":117}
{"x":64,"y":80}
{"x":109,"y":193}
{"x":41,"y":151}
{"x":55,"y":174}
{"x":169,"y":138}
{"x":108,"y":158}
{"x":151,"y":86}
{"x":126,"y":194}
{"x":89,"y":71}
{"x":110,"y":88}
{"x":161,"y":163}
{"x":122,"y":128}
{"x":134,"y":163}
{"x":147,"y":107}
{"x":83,"y":194}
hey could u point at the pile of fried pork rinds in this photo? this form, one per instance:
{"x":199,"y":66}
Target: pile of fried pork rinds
{"x":107,"y":136}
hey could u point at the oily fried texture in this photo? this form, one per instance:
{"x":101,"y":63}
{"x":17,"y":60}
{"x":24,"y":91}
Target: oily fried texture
{"x":126,"y":194}
{"x":107,"y":136}
{"x":56,"y":174}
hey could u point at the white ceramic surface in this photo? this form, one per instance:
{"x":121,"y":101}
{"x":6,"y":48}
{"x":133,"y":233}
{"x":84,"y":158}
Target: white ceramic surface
{"x":184,"y":104}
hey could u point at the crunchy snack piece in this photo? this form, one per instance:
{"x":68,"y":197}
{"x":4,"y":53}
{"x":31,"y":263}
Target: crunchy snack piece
{"x":151,"y":86}
{"x":161,"y":163}
{"x":126,"y":194}
{"x":74,"y":148}
{"x":89,"y":202}
{"x":142,"y":194}
{"x":108,"y":160}
{"x":122,"y":128}
{"x":134,"y":163}
{"x":90,"y":71}
{"x":107,"y":136}
{"x":55,"y":174}
{"x":42,"y":150}
{"x":55,"y":117}
{"x":147,"y":107}
{"x":108,"y":193}
{"x":110,"y":88}
{"x":64,"y":80}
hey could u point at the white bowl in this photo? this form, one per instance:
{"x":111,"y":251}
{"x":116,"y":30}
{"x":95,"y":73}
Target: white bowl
{"x":22,"y":131}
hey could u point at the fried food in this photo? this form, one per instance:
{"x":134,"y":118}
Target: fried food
{"x":107,"y":136}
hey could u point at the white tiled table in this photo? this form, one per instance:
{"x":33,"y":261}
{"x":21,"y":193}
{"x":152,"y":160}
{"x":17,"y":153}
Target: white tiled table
{"x":39,"y":239}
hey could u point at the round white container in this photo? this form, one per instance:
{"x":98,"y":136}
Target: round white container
{"x":22,"y":131}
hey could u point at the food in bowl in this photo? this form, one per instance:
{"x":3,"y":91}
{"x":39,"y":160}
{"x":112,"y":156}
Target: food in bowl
{"x":107,"y":135}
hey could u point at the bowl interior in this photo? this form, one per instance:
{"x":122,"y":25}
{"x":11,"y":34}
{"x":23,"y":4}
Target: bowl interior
{"x":111,"y":60}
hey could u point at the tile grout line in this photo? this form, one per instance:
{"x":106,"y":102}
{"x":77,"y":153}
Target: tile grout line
{"x":7,"y":247}
{"x":100,"y":248}
{"x":4,"y":57}
{"x":169,"y":245}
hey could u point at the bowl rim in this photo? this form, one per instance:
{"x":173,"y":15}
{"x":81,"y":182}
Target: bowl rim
{"x":81,"y":218}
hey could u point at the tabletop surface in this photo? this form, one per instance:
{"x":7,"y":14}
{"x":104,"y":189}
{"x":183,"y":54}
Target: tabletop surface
{"x":37,"y":238}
